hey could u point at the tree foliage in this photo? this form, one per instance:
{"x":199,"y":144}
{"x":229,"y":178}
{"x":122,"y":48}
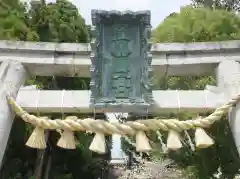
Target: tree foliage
{"x":229,"y":5}
{"x":58,"y":22}
{"x":13,"y":21}
{"x":197,"y":25}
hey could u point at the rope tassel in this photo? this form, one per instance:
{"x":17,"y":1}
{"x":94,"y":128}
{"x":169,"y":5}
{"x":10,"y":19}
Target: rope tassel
{"x":173,"y":140}
{"x":98,"y":144}
{"x":202,"y":140}
{"x":67,"y":140}
{"x":142,"y":142}
{"x":37,"y":139}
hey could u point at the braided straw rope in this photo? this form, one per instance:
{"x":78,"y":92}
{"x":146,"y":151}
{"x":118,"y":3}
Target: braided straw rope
{"x":102,"y":128}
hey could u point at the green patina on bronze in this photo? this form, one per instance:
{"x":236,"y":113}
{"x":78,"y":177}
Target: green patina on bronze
{"x":121,"y":60}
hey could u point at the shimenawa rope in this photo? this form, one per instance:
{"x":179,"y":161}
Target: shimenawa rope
{"x":102,"y":128}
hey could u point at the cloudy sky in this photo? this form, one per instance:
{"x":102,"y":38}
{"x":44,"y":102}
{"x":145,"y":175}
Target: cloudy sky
{"x":159,"y":8}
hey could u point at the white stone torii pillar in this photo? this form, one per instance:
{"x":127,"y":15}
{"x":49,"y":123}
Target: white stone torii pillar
{"x":228,"y":79}
{"x":117,"y":154}
{"x":12,"y":77}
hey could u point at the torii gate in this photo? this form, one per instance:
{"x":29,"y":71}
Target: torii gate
{"x":65,"y":59}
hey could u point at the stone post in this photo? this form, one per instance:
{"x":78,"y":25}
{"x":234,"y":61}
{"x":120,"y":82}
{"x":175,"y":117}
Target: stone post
{"x":117,"y":154}
{"x":12,"y":77}
{"x":228,"y":79}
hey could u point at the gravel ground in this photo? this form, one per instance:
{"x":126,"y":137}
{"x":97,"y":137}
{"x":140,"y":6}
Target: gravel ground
{"x":147,"y":170}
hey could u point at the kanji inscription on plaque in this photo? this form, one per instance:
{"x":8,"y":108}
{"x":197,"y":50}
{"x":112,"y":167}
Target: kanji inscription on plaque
{"x":121,"y":60}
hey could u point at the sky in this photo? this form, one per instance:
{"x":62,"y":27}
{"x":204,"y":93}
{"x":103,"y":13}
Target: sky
{"x":159,"y":9}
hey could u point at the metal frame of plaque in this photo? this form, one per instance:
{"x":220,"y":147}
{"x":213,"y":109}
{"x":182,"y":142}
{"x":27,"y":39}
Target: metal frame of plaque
{"x":121,"y":61}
